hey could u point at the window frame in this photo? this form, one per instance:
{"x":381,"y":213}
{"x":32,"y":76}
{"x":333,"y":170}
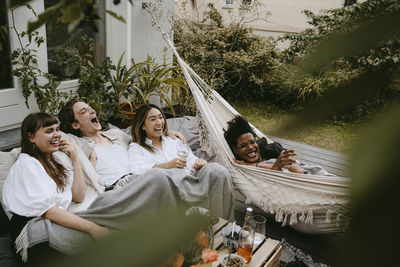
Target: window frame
{"x":12,"y":103}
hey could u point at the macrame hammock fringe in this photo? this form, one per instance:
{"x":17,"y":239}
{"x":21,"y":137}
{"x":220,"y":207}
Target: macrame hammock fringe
{"x":320,"y":201}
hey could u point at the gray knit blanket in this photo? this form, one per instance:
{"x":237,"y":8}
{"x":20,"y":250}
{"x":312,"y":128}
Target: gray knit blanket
{"x":156,"y":190}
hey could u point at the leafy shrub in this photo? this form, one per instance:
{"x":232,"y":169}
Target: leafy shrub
{"x":33,"y":80}
{"x":93,"y":79}
{"x":341,"y":20}
{"x":229,"y":58}
{"x":384,"y":56}
{"x":292,"y":88}
{"x":108,"y":88}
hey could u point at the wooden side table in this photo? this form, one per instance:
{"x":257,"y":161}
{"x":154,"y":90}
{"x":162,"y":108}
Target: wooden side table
{"x":267,"y":253}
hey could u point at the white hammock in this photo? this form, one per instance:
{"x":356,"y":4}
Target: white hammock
{"x":291,"y":196}
{"x":321,"y":201}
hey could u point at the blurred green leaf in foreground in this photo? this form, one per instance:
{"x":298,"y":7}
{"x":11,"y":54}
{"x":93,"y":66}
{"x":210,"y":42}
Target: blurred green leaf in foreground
{"x":146,"y":241}
{"x":373,"y":235}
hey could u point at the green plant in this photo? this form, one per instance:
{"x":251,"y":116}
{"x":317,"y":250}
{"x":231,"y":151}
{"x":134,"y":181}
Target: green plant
{"x":67,"y":12}
{"x":337,"y":21}
{"x":33,"y":79}
{"x":62,"y":63}
{"x":108,"y":88}
{"x":184,"y":101}
{"x":374,"y":177}
{"x":123,"y":81}
{"x":292,"y":89}
{"x":230,"y":58}
{"x":93,"y":80}
{"x":155,"y":80}
{"x":122,"y":86}
{"x":299,"y":88}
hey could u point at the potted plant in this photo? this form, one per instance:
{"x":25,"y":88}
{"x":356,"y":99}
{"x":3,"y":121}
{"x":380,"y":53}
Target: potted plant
{"x":122,"y":84}
{"x":156,"y":80}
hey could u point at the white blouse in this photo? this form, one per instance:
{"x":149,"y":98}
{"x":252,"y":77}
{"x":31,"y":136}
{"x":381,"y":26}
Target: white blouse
{"x":112,"y":162}
{"x":142,"y":160}
{"x":29,"y":191}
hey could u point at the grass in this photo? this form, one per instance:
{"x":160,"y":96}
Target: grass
{"x":335,"y":136}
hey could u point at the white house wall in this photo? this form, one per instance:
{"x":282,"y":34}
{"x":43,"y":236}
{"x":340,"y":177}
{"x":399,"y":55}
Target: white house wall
{"x":268,"y":18}
{"x":138,"y":38}
{"x":140,"y":35}
{"x":116,"y":31}
{"x":146,"y":38}
{"x":146,"y":33}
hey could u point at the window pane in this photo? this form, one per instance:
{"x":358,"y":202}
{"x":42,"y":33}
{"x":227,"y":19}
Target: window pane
{"x":5,"y":61}
{"x":60,"y":44}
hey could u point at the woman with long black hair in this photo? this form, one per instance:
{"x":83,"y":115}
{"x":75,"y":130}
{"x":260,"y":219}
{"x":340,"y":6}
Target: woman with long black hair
{"x":208,"y":184}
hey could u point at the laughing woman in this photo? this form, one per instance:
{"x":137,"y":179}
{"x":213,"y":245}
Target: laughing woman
{"x":149,"y":134}
{"x":241,"y":139}
{"x":39,"y":186}
{"x":151,"y":148}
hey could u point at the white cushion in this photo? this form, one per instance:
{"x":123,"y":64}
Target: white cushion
{"x":7,"y":159}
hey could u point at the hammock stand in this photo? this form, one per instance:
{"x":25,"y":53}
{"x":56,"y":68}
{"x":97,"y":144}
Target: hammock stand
{"x":319,"y":202}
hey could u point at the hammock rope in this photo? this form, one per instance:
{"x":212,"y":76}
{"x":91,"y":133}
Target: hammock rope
{"x":312,"y":199}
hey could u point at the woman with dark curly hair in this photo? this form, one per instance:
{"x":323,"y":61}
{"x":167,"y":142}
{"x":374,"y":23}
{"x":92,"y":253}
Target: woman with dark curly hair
{"x":241,"y":139}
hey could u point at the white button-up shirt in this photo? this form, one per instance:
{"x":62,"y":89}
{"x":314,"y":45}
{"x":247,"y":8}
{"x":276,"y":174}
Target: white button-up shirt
{"x":142,"y":160}
{"x":29,"y":191}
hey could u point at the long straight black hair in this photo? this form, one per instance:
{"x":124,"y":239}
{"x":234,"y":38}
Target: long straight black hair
{"x":138,"y":134}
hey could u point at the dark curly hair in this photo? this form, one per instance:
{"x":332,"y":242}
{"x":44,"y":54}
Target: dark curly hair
{"x":236,"y":127}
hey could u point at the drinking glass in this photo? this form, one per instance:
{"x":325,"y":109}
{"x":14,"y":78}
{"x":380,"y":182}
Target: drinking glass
{"x":183,"y":152}
{"x":296,"y":150}
{"x":259,"y":227}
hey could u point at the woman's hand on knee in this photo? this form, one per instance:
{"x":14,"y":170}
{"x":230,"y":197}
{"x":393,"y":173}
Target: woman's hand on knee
{"x":199,"y":163}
